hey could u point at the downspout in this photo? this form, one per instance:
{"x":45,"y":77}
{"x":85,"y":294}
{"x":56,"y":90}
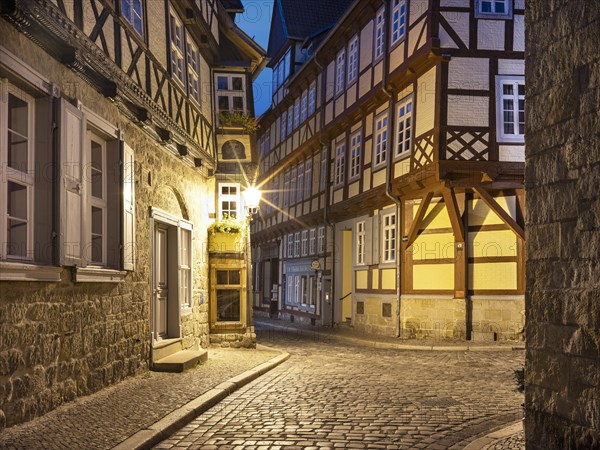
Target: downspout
{"x":326,"y":218}
{"x":390,"y":166}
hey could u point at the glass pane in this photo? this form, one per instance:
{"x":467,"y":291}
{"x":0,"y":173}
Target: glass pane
{"x":17,"y":115}
{"x":97,"y":249}
{"x":17,"y":201}
{"x":17,"y":151}
{"x":17,"y":133}
{"x":17,"y":238}
{"x":234,"y":277}
{"x":228,"y":305}
{"x":222,"y":277}
{"x":500,"y":7}
{"x":96,"y":170}
{"x":223,"y":103}
{"x":96,"y":220}
{"x":238,"y":104}
{"x":237,"y":83}
{"x":222,"y":83}
{"x":521,"y":89}
{"x":508,"y":89}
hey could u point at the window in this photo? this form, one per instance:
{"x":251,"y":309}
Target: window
{"x":510,"y":92}
{"x":297,"y":113}
{"x":290,"y":245}
{"x":290,"y":290}
{"x":290,"y":120}
{"x":355,"y":149}
{"x":312,"y":98}
{"x":177,"y":48}
{"x":303,"y":290}
{"x":312,"y":241}
{"x":305,"y":243}
{"x":340,"y":71}
{"x":193,"y":70}
{"x":283,"y":126}
{"x":297,"y":289}
{"x":17,"y":182}
{"x":321,"y":240}
{"x":340,"y":163}
{"x":381,"y":139}
{"x":229,"y":201}
{"x":231,"y":95}
{"x":132,"y":11}
{"x":293,"y":179}
{"x":297,"y":244}
{"x":300,"y":183}
{"x":185,"y":58}
{"x":353,"y":60}
{"x":360,"y":242}
{"x":389,"y":238}
{"x":308,"y":179}
{"x":496,"y":9}
{"x":228,"y":286}
{"x":286,"y":189}
{"x":281,"y":70}
{"x":398,"y":21}
{"x":97,"y":198}
{"x":379,"y":37}
{"x":185,"y":267}
{"x":323,"y":181}
{"x":304,"y":106}
{"x":404,"y":127}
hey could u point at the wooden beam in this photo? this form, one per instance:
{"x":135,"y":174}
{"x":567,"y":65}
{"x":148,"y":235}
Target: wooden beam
{"x":413,"y":232}
{"x":500,"y":212}
{"x":454,"y":213}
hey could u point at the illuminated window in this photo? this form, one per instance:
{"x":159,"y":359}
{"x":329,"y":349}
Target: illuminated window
{"x":404,"y":126}
{"x":389,"y":238}
{"x":381,"y":139}
{"x":132,"y":12}
{"x":379,"y":36}
{"x":355,"y":150}
{"x":398,"y":21}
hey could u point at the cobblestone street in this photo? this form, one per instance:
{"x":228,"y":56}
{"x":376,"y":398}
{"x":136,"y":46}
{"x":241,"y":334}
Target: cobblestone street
{"x":331,"y":394}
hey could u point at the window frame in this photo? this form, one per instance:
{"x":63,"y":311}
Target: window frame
{"x":379,"y":35}
{"x":231,"y":93}
{"x":398,"y":18}
{"x":406,"y":106}
{"x":96,"y":202}
{"x":361,"y":234}
{"x":304,"y":242}
{"x":297,"y":244}
{"x":308,"y":178}
{"x":229,"y":197}
{"x":380,"y":140}
{"x":354,"y":168}
{"x":174,"y":22}
{"x":283,"y":126}
{"x":304,"y":106}
{"x":300,"y":183}
{"x":193,"y":74}
{"x":506,"y":15}
{"x":132,"y":10}
{"x":353,"y":57}
{"x":501,"y":81}
{"x":340,"y":71}
{"x":312,"y":241}
{"x":340,"y":163}
{"x":290,"y":245}
{"x":388,"y":237}
{"x":312,"y":98}
{"x":321,"y":240}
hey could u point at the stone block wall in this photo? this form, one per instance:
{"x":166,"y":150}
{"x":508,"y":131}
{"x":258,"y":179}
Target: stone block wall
{"x":563,"y":225}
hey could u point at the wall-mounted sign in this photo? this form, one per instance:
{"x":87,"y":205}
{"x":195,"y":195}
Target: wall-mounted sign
{"x":315,"y":264}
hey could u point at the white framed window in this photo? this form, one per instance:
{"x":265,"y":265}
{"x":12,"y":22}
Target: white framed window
{"x":312,"y":241}
{"x":17,"y":183}
{"x":355,"y":154}
{"x":312,"y":98}
{"x":340,"y":163}
{"x":311,"y":290}
{"x":360,"y":242}
{"x":297,"y":113}
{"x":493,"y":9}
{"x":340,"y":71}
{"x":510,"y":100}
{"x":290,"y":120}
{"x":177,"y":48}
{"x":296,"y":289}
{"x":290,"y":290}
{"x":193,"y":70}
{"x":300,"y":183}
{"x":398,"y":30}
{"x":404,"y":127}
{"x":231,"y":93}
{"x":97,"y":198}
{"x":381,"y":133}
{"x":321,"y":240}
{"x":323,"y":180}
{"x":281,"y":70}
{"x":286,"y":189}
{"x":389,"y":237}
{"x":304,"y":106}
{"x":283,"y":128}
{"x":132,"y":11}
{"x":379,"y":36}
{"x":308,"y":179}
{"x":304,"y":242}
{"x":229,"y":200}
{"x":290,"y":245}
{"x":185,"y":268}
{"x":293,"y":180}
{"x":297,"y":244}
{"x":353,"y":60}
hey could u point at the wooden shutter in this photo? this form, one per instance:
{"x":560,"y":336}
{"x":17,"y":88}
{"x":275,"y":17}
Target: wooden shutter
{"x":369,"y":241}
{"x":376,"y":238}
{"x":72,"y":187}
{"x":128,"y":231}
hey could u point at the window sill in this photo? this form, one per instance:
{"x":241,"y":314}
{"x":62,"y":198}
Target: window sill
{"x":98,"y":275}
{"x":10,"y":271}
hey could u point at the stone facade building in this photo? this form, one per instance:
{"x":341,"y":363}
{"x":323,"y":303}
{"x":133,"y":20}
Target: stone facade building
{"x":562,"y":369}
{"x":394,"y":154}
{"x":110,"y":160}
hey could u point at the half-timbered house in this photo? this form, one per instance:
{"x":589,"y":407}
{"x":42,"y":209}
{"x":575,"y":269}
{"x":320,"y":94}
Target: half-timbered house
{"x":393,"y":153}
{"x":112,"y":155}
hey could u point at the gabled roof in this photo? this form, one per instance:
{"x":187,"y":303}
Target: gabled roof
{"x":233,"y":5}
{"x":300,"y":19}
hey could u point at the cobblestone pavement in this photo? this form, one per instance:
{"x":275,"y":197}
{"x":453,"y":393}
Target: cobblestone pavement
{"x":514,"y":442}
{"x":332,"y":394}
{"x":104,"y":419}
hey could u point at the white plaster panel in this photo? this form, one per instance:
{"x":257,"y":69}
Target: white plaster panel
{"x":364,"y":83}
{"x":351,"y":95}
{"x":469,"y":73}
{"x":511,"y":67}
{"x":397,"y":56}
{"x":417,"y":9}
{"x":457,"y":3}
{"x":425,"y":102}
{"x":445,"y":40}
{"x":460,"y":24}
{"x":377,"y":76}
{"x":366,"y":46}
{"x":519,"y":4}
{"x":468,"y":111}
{"x":514,"y":153}
{"x":330,"y":78}
{"x":519,"y":33}
{"x":490,"y":34}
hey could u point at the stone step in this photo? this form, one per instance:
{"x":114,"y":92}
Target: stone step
{"x":180,"y":361}
{"x":166,"y":347}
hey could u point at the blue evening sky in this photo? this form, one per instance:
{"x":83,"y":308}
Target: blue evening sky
{"x":256,"y":21}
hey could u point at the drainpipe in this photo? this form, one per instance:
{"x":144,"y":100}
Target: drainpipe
{"x":390,"y":166}
{"x":326,"y":218}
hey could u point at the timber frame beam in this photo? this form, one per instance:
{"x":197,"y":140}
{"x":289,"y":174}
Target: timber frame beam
{"x":500,"y":212}
{"x":413,"y":232}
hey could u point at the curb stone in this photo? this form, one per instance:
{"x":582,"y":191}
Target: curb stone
{"x":163,"y":428}
{"x":391,"y":345}
{"x":502,"y":433}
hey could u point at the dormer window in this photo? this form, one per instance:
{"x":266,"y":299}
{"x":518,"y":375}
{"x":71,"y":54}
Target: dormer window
{"x":281,"y":71}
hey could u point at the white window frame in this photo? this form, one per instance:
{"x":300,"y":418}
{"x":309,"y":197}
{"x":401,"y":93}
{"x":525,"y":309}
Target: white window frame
{"x":300,"y":183}
{"x":323,"y":174}
{"x":388,"y":236}
{"x":340,"y":71}
{"x":380,"y":150}
{"x":312,"y":98}
{"x":283,"y":127}
{"x":286,"y":189}
{"x":136,"y":11}
{"x":297,"y":244}
{"x":177,"y":47}
{"x":312,"y":241}
{"x":231,"y":93}
{"x":353,"y":59}
{"x":290,"y":245}
{"x":290,"y":290}
{"x":398,"y":28}
{"x":296,"y":113}
{"x":308,"y":179}
{"x":355,"y":154}
{"x":493,"y":13}
{"x":185,"y":268}
{"x":304,"y":106}
{"x":321,"y":240}
{"x":515,"y":81}
{"x":360,"y":243}
{"x":305,"y":243}
{"x":229,"y":198}
{"x":379,"y":36}
{"x":193,"y":69}
{"x":293,"y":180}
{"x":404,"y":125}
{"x":13,"y":175}
{"x":296,"y":289}
{"x":96,"y":202}
{"x":340,"y":163}
{"x":281,"y":70}
{"x":290,"y":119}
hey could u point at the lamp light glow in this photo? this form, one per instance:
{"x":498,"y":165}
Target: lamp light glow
{"x":252,"y":196}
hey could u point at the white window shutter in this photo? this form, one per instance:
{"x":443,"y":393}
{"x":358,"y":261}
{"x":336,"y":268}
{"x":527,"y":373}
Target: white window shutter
{"x":369,"y":241}
{"x":72,"y":186}
{"x":128,"y":232}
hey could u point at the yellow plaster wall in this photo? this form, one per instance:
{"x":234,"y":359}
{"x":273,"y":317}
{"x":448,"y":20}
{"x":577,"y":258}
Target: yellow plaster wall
{"x":426,"y":102}
{"x":492,"y":243}
{"x":362,"y":279}
{"x":433,"y":246}
{"x":388,"y":279}
{"x":493,"y":276}
{"x":375,"y":279}
{"x":433,"y":276}
{"x":480,"y":214}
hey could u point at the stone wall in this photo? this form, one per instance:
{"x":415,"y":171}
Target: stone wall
{"x":563,"y":224}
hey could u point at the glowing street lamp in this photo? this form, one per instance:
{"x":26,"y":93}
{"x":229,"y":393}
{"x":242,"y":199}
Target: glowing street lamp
{"x":252,"y":196}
